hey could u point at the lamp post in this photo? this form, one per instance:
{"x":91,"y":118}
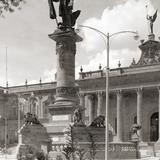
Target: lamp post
{"x":106,"y":38}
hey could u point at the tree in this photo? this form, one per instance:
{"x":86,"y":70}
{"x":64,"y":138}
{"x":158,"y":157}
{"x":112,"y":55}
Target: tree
{"x":70,"y":140}
{"x":73,"y":149}
{"x":9,"y":6}
{"x":92,"y":146}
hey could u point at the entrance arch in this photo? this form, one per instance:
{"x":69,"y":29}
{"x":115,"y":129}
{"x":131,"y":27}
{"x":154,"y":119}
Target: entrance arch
{"x":154,"y":127}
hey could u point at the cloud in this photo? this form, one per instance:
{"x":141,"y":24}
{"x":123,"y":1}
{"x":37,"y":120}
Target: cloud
{"x":155,"y":3}
{"x":125,"y":56}
{"x":49,"y":75}
{"x":119,"y":18}
{"x":128,"y":16}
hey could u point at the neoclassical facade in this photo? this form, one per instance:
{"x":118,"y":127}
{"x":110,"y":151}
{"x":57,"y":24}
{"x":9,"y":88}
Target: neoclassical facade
{"x":134,"y":97}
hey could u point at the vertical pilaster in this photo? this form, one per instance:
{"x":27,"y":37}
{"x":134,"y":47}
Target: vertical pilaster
{"x":82,"y":104}
{"x":139,"y":111}
{"x":28,"y":104}
{"x":36,"y":108}
{"x":100,"y":103}
{"x":40,"y":107}
{"x":119,"y":115}
{"x":90,"y":106}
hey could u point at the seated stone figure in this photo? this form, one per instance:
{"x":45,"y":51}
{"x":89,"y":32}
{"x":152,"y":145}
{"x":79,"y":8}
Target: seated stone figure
{"x":98,"y":122}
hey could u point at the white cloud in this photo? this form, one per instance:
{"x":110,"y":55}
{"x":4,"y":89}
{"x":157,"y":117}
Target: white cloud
{"x":128,"y":16}
{"x":125,"y":56}
{"x":49,"y":75}
{"x":155,"y":3}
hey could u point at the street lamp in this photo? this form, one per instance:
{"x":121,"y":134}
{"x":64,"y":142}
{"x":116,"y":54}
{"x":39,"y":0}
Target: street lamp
{"x":106,"y":38}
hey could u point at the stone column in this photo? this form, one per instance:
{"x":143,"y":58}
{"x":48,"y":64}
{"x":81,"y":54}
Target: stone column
{"x":82,"y":104}
{"x":139,"y":110}
{"x":119,"y":116}
{"x":40,"y":107}
{"x":28,"y":105}
{"x":66,"y":91}
{"x":32,"y":101}
{"x":90,"y":106}
{"x":159,"y":113}
{"x":100,"y":103}
{"x":37,"y":107}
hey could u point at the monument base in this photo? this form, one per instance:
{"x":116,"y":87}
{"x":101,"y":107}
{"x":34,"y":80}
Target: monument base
{"x":62,"y":108}
{"x":33,"y":139}
{"x":91,"y":141}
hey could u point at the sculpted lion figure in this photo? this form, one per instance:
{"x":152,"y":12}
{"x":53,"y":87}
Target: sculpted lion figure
{"x":98,"y":122}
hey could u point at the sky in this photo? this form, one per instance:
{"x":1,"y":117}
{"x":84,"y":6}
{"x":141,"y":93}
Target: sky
{"x":31,"y":54}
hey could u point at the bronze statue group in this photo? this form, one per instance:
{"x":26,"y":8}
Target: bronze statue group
{"x":65,"y":12}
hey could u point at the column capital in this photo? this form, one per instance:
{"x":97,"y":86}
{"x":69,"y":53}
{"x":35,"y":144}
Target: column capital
{"x":90,"y":97}
{"x":119,"y":92}
{"x":81,"y":94}
{"x":158,"y":88}
{"x":139,"y":90}
{"x":40,"y":97}
{"x":19,"y":95}
{"x":100,"y":93}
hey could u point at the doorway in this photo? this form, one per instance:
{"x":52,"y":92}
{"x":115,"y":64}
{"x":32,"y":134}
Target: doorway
{"x":154,"y":127}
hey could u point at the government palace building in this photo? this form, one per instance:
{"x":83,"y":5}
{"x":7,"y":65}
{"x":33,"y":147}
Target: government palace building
{"x":134,"y":98}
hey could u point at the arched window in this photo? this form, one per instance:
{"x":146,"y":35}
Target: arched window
{"x":154,"y":127}
{"x":135,"y":120}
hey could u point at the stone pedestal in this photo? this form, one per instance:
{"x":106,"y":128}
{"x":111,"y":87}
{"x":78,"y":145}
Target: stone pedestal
{"x":66,"y":91}
{"x":33,"y":137}
{"x":157,"y":149}
{"x":91,"y":141}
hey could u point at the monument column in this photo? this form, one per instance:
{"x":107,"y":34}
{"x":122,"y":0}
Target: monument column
{"x":100,"y":103}
{"x":90,"y":107}
{"x":82,"y":104}
{"x":139,"y":110}
{"x":119,"y":116}
{"x":66,"y":92}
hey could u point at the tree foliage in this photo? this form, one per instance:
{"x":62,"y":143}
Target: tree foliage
{"x":70,"y":141}
{"x":92,"y":145}
{"x":9,"y":6}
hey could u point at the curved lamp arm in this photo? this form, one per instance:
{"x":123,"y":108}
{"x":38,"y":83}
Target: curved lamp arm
{"x":111,"y":35}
